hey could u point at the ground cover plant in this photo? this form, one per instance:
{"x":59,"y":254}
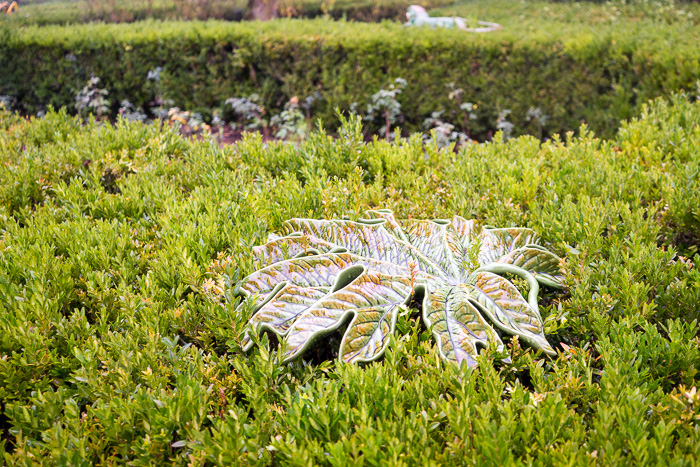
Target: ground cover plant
{"x":118,"y":344}
{"x":552,"y":67}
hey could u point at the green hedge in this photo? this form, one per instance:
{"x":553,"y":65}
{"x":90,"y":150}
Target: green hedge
{"x":126,"y":11}
{"x":574,"y":73}
{"x":112,"y":353}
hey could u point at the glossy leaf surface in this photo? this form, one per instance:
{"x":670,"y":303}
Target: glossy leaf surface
{"x":324,"y":274}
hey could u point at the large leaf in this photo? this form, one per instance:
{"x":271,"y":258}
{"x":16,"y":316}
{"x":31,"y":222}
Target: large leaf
{"x":309,"y":271}
{"x":392,"y":224}
{"x":437,"y":241}
{"x":507,"y":309}
{"x":371,"y":298}
{"x":294,"y":245}
{"x":465,"y":230}
{"x":468,"y":233}
{"x":324,"y":273}
{"x":457,"y":325}
{"x":279,"y":313}
{"x":544,"y":265}
{"x":496,"y":243}
{"x":368,"y":239}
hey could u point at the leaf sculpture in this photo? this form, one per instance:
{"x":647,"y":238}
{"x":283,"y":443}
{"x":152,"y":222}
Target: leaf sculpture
{"x":322,"y":274}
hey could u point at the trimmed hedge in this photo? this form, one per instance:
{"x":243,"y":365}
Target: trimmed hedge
{"x":111,"y":351}
{"x":126,"y":11}
{"x":574,"y":73}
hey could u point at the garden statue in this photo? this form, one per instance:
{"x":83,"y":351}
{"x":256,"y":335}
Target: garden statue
{"x":417,"y":16}
{"x":324,"y":274}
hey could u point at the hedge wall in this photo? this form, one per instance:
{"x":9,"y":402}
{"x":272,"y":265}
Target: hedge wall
{"x":127,"y":11}
{"x":597,"y":75}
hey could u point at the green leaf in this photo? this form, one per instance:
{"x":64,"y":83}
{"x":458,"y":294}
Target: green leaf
{"x":544,"y":265}
{"x":326,"y":272}
{"x":456,"y":324}
{"x":280,"y":312}
{"x":312,"y":271}
{"x":496,"y":243}
{"x":437,"y":241}
{"x":466,"y":231}
{"x":504,"y":305}
{"x":373,"y":300}
{"x":308,"y":271}
{"x":291,"y":246}
{"x":393,"y":225}
{"x":369,"y":239}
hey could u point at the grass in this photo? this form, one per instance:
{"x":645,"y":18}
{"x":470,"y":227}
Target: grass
{"x":111,"y":352}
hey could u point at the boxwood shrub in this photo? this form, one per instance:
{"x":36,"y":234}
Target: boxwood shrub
{"x":111,"y":351}
{"x":83,"y":11}
{"x":572,"y":72}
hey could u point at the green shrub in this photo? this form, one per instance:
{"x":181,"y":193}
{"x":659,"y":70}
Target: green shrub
{"x":111,"y":351}
{"x":571,"y":72}
{"x":83,"y":11}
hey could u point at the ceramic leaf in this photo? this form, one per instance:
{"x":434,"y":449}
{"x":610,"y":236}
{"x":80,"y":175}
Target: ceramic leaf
{"x":457,"y":325}
{"x":506,"y":308}
{"x":283,"y":248}
{"x":325,"y":274}
{"x":280,"y":312}
{"x":370,"y":299}
{"x":543,"y":264}
{"x":369,"y":239}
{"x":496,"y":243}
{"x":437,"y":241}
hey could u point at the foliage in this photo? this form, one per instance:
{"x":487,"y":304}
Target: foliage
{"x":536,"y":115}
{"x":662,"y":10}
{"x":443,"y":134}
{"x":112,"y":350}
{"x":321,"y":272}
{"x":128,"y":111}
{"x":80,"y":11}
{"x":601,"y":11}
{"x":191,"y":122}
{"x":573,"y":70}
{"x":505,"y":126}
{"x":92,"y":99}
{"x":248,"y":111}
{"x":384,"y":104}
{"x":291,"y":122}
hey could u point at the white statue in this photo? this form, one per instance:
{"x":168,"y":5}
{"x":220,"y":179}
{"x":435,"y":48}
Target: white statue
{"x":417,"y":16}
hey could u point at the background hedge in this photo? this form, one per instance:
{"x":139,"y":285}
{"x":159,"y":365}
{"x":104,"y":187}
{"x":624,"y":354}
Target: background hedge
{"x":574,"y":72}
{"x":81,"y":11}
